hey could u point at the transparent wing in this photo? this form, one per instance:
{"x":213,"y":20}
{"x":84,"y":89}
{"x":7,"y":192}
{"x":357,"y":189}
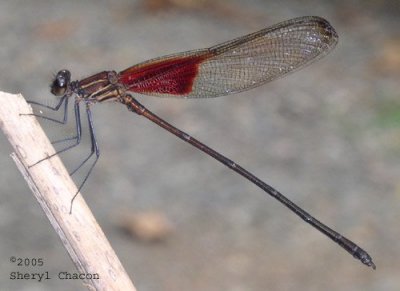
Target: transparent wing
{"x":237,"y":65}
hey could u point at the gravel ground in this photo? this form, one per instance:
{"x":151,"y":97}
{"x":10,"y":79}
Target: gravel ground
{"x":327,"y":136}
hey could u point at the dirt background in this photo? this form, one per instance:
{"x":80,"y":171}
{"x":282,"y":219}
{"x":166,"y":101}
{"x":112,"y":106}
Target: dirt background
{"x":327,"y":136}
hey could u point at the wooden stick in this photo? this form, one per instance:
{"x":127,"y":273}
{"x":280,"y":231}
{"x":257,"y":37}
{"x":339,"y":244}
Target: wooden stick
{"x":53,"y":188}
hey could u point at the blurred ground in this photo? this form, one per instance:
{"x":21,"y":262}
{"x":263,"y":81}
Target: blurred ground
{"x":327,"y":136}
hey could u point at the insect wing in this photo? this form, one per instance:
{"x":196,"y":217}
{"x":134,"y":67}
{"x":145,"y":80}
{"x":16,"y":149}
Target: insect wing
{"x":237,"y":65}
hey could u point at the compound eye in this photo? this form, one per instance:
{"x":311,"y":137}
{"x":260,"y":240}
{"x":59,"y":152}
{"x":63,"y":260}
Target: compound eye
{"x":61,"y":82}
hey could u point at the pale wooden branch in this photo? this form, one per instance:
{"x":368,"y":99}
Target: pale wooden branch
{"x":53,"y":189}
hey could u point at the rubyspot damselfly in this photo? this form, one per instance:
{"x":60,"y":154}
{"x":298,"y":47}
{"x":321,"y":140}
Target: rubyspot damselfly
{"x":231,"y":67}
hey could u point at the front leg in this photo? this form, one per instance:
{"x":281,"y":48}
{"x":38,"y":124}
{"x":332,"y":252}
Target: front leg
{"x":63,"y":99}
